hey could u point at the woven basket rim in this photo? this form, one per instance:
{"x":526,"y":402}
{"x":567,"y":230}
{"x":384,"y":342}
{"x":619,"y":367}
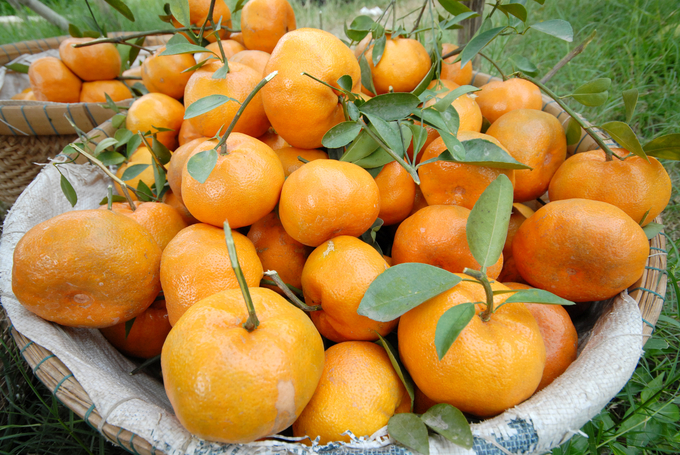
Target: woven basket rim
{"x":649,"y":292}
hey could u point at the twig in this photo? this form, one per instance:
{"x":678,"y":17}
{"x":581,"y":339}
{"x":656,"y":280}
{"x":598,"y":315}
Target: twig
{"x":420,"y":16}
{"x":567,"y":58}
{"x":286,"y":290}
{"x":498,"y":68}
{"x":123,"y":38}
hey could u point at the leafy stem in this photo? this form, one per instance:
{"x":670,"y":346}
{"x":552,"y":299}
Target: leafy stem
{"x":411,"y":170}
{"x":588,"y":129}
{"x":207,"y":19}
{"x":484,"y":281}
{"x":286,"y":290}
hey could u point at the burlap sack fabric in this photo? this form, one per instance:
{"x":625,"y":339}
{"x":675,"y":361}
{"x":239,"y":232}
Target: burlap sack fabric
{"x":134,"y":412}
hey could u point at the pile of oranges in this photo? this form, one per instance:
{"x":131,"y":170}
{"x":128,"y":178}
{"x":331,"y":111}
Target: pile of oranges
{"x":293,"y":210}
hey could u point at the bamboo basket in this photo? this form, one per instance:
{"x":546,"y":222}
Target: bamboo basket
{"x":649,"y":293}
{"x":34,"y":131}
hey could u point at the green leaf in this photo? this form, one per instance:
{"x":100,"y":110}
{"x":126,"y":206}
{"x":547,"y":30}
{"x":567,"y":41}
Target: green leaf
{"x":573,"y":132}
{"x":449,"y":326}
{"x":393,"y":354}
{"x":455,"y":7}
{"x":370,"y":235}
{"x":161,"y":151}
{"x":516,"y":9}
{"x":487,"y":224}
{"x":363,"y":146}
{"x":422,"y":85}
{"x":451,"y":96}
{"x":115,"y":198}
{"x":144,"y":193}
{"x":180,"y":9}
{"x":362,"y":23}
{"x":388,"y":132}
{"x":133,"y":171}
{"x":128,"y":326}
{"x":158,"y":176}
{"x":104,"y":143}
{"x":652,"y":230}
{"x":122,"y":136}
{"x":624,"y":135}
{"x":68,"y":190}
{"x":524,"y":65}
{"x":178,"y":44}
{"x":201,"y":165}
{"x":74,"y":31}
{"x":653,"y":387}
{"x":630,"y":99}
{"x":409,"y":430}
{"x":481,"y":152}
{"x":449,"y":24}
{"x":355,"y":35}
{"x":378,"y":50}
{"x":402,"y":288}
{"x":118,"y":120}
{"x":111,"y":158}
{"x":341,"y":134}
{"x":221,"y":72}
{"x":556,"y":27}
{"x":238,"y":7}
{"x":132,"y":145}
{"x":540,"y":2}
{"x":449,"y":422}
{"x":593,"y":93}
{"x":366,"y":75}
{"x":447,"y":121}
{"x":419,"y":134}
{"x":345,"y":82}
{"x":478,"y":43}
{"x":18,"y":67}
{"x":667,"y":147}
{"x":390,"y":106}
{"x":122,"y":8}
{"x":206,"y":104}
{"x":353,"y":111}
{"x":537,"y":296}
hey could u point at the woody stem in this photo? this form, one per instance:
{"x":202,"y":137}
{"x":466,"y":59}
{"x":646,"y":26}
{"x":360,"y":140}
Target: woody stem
{"x":484,"y":281}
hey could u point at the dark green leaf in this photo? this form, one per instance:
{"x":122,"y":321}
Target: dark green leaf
{"x":375,"y":160}
{"x":422,"y":85}
{"x":206,"y":104}
{"x":390,"y":106}
{"x":104,"y":143}
{"x":238,"y":7}
{"x":516,"y":9}
{"x":18,"y":67}
{"x":123,"y":136}
{"x":201,"y":165}
{"x":74,"y":31}
{"x":111,"y":158}
{"x":449,"y":326}
{"x":68,"y":190}
{"x":133,"y":171}
{"x":353,"y":111}
{"x":524,"y":65}
{"x":128,"y":326}
{"x":556,"y":27}
{"x":624,"y":135}
{"x":158,"y":176}
{"x":449,"y":24}
{"x":378,"y":49}
{"x":363,"y":23}
{"x":196,"y":66}
{"x":450,"y":423}
{"x":341,"y":134}
{"x":221,"y":72}
{"x":540,"y":2}
{"x":118,"y":120}
{"x":178,"y":44}
{"x":388,"y":132}
{"x":68,"y":150}
{"x":355,"y":35}
{"x":454,"y":148}
{"x":144,"y":193}
{"x":180,"y":9}
{"x":573,"y":132}
{"x":598,"y":85}
{"x":537,"y":296}
{"x":409,"y":430}
{"x":363,"y":146}
{"x":443,"y":121}
{"x":138,"y":89}
{"x":132,"y":145}
{"x":402,"y":288}
{"x":630,"y":99}
{"x":478,"y":43}
{"x":419,"y":134}
{"x":161,"y":151}
{"x":393,"y":354}
{"x":667,"y":147}
{"x":122,"y":8}
{"x":592,"y":99}
{"x":366,"y":75}
{"x":446,"y":101}
{"x":652,"y":230}
{"x":487,"y":224}
{"x":481,"y":152}
{"x":346,"y":82}
{"x":454,"y":7}
{"x":370,"y":235}
{"x":115,"y":198}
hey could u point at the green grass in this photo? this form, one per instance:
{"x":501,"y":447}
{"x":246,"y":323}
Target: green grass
{"x":636,"y":46}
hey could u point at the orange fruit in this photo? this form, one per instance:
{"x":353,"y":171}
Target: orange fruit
{"x":436,"y":235}
{"x":278,"y":251}
{"x":581,"y":250}
{"x":421,"y":402}
{"x":146,"y":336}
{"x":336,"y":276}
{"x":86,"y":268}
{"x":156,"y":110}
{"x":328,"y":198}
{"x":447,"y":182}
{"x":229,"y":46}
{"x":359,"y":391}
{"x":164,"y":73}
{"x":178,"y":161}
{"x":404,"y":63}
{"x":257,"y":60}
{"x":419,"y":201}
{"x":141,"y":156}
{"x":238,"y":37}
{"x":176,"y":203}
{"x":516,"y":219}
{"x":242,"y":188}
{"x":497,"y":97}
{"x":198,"y":13}
{"x":162,"y":221}
{"x":633,"y":185}
{"x":237,"y":84}
{"x":26,"y":95}
{"x":264,"y":22}
{"x":559,"y":336}
{"x":301,"y":109}
{"x":289,"y":157}
{"x":51,"y":80}
{"x":94,"y":92}
{"x":397,"y":193}
{"x":90,"y":63}
{"x":534,"y":138}
{"x":452,"y":71}
{"x":187,"y":133}
{"x":196,"y":265}
{"x":468,"y":111}
{"x":491,"y":366}
{"x":273,"y":140}
{"x":229,"y":385}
